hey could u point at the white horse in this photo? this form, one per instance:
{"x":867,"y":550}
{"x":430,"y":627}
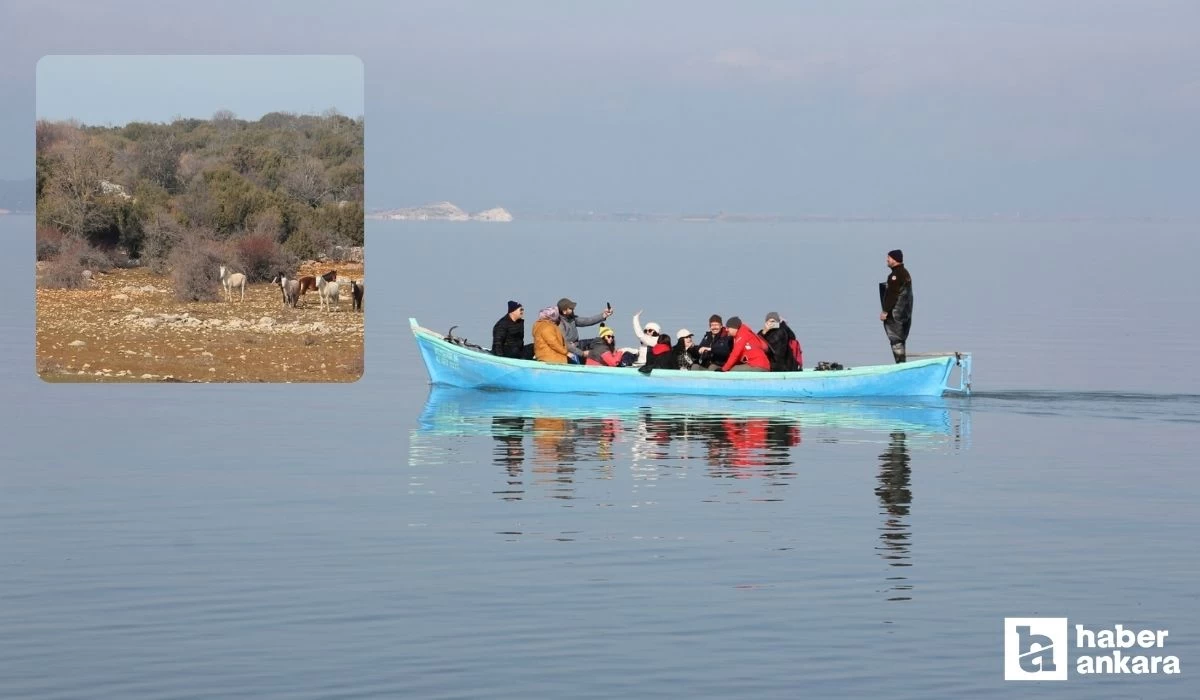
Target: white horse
{"x":328,"y":292}
{"x":231,"y":281}
{"x":291,"y":289}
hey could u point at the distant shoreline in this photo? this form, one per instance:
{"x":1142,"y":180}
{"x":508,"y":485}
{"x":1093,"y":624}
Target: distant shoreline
{"x":668,"y":218}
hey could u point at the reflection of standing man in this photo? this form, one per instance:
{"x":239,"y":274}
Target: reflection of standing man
{"x":895,"y":495}
{"x":509,"y":452}
{"x":896,"y":297}
{"x":895,"y":476}
{"x":509,"y":434}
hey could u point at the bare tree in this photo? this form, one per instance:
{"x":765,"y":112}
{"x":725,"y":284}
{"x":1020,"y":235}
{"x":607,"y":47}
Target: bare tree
{"x":163,"y":233}
{"x":268,"y":222}
{"x":158,"y":160}
{"x":48,"y":133}
{"x":306,"y":181}
{"x":77,"y":199}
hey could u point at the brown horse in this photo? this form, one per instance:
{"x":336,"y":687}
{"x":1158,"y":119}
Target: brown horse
{"x":310,"y":282}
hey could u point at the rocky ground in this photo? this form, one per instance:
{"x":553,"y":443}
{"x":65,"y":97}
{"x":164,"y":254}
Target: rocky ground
{"x":128,"y":326}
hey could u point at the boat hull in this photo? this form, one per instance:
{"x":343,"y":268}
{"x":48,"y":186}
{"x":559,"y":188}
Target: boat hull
{"x":450,"y":364}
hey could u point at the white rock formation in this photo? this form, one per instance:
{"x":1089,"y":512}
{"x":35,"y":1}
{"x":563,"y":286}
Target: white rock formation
{"x":442,"y":211}
{"x":495,"y":214}
{"x":113,"y":188}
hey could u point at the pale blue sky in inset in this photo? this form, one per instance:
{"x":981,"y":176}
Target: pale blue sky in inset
{"x":110,"y":89}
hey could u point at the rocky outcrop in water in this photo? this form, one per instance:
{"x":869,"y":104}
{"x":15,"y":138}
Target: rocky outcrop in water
{"x":442,"y":211}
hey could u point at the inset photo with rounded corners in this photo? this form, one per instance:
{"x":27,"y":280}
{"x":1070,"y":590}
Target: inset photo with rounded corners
{"x":200,"y":219}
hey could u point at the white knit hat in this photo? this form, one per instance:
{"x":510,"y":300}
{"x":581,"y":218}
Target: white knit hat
{"x":652,"y":326}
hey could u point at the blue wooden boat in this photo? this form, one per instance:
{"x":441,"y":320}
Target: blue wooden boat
{"x":453,"y":364}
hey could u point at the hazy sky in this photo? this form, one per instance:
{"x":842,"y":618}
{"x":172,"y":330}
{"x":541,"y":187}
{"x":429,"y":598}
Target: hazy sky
{"x":933,"y":106}
{"x":101,"y":89}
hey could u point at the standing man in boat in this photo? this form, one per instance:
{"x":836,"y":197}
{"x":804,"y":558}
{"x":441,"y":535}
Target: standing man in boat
{"x":508,"y":335}
{"x":568,"y":323}
{"x":896,"y":297}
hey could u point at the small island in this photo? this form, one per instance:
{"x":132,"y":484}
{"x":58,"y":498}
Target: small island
{"x":441,"y":211}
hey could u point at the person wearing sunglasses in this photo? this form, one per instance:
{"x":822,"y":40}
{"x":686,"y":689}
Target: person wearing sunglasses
{"x":685,"y":351}
{"x":606,"y":353}
{"x":647,"y":335}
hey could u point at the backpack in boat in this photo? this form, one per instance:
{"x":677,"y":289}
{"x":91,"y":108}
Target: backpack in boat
{"x":461,"y":342}
{"x":797,"y":352}
{"x":823,"y":366}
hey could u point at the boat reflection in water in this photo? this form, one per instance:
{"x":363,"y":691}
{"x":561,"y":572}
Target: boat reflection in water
{"x":554,"y":435}
{"x":553,"y":444}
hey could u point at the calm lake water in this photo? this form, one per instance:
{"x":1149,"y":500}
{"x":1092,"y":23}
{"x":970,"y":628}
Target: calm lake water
{"x":383,"y":539}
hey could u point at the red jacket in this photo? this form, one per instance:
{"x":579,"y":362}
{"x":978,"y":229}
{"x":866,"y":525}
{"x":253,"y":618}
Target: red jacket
{"x":751,"y":439}
{"x":749,"y":345}
{"x":608,"y":358}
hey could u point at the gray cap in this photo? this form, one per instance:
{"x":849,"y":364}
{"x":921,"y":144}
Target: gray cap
{"x":773,"y":316}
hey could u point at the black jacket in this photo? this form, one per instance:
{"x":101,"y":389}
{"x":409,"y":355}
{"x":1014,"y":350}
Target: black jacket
{"x":722,"y":348}
{"x":684,"y":357}
{"x":662,"y":356}
{"x":782,"y":359}
{"x":508,"y":337}
{"x":897,"y":291}
{"x":896,"y":297}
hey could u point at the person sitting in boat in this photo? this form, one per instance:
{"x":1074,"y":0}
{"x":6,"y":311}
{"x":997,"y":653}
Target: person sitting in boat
{"x":661,"y":356}
{"x":606,"y":353}
{"x":715,"y":346}
{"x":508,"y":335}
{"x":749,"y":350}
{"x":784,"y":349}
{"x":568,"y":323}
{"x":548,"y":343}
{"x":686,"y":354}
{"x":648,"y":336}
